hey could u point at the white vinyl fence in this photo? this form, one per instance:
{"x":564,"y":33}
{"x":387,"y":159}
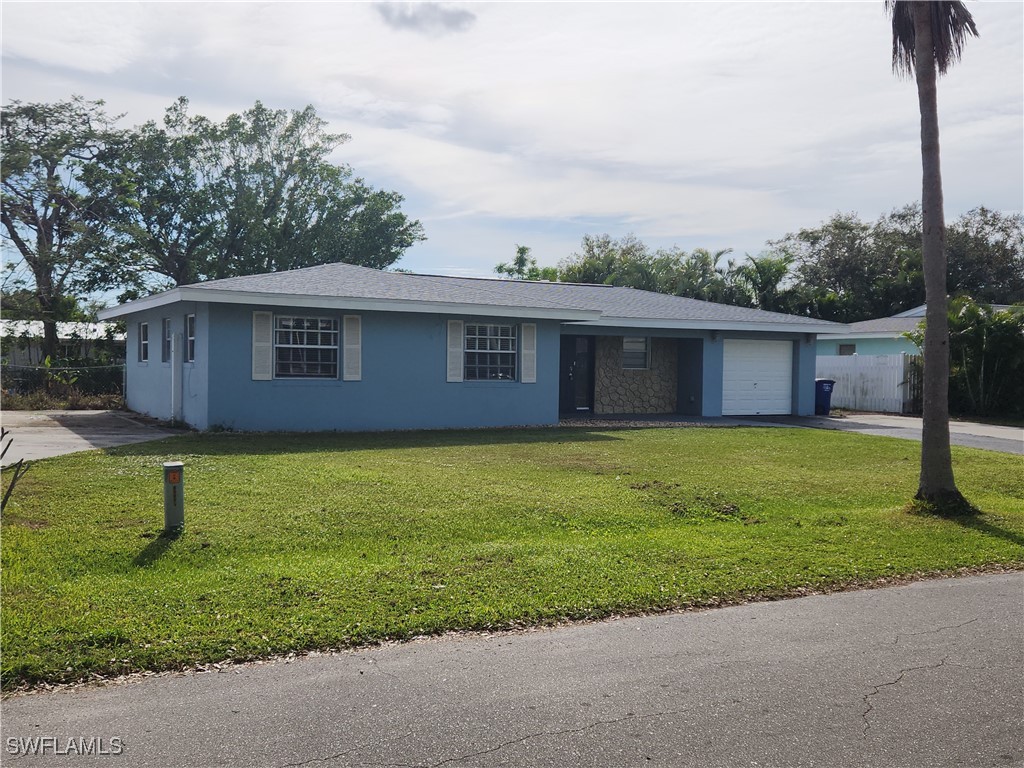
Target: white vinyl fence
{"x":882,"y":383}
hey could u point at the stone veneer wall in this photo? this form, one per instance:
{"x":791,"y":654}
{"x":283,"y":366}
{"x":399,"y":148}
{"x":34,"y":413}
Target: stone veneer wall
{"x":618,"y":390}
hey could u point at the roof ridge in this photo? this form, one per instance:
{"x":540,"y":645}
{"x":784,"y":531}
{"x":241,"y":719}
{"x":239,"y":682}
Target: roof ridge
{"x":549,"y":304}
{"x":513,"y":281}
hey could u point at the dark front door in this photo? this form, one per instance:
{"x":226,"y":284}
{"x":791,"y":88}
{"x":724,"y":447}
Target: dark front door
{"x":576,"y":391}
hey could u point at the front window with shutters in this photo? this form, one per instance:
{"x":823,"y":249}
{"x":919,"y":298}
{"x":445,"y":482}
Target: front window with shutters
{"x":305,"y":347}
{"x":490,"y":352}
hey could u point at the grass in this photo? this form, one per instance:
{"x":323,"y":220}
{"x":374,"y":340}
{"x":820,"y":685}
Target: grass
{"x":313,"y":541}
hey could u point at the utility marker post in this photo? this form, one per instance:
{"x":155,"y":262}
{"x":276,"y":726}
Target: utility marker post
{"x":174,"y":497}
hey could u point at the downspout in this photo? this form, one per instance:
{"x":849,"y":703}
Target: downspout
{"x":177,"y":362}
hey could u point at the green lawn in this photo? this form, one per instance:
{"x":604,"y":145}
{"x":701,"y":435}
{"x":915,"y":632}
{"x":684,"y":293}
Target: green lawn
{"x":313,"y":541}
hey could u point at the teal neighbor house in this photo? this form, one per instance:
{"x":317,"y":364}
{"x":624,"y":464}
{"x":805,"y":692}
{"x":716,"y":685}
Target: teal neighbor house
{"x":882,"y":336}
{"x":342,"y":347}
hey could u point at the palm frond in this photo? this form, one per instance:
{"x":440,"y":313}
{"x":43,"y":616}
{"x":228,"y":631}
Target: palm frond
{"x":951,"y":24}
{"x":902,"y":37}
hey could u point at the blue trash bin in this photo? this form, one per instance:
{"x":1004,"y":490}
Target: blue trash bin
{"x":823,"y":396}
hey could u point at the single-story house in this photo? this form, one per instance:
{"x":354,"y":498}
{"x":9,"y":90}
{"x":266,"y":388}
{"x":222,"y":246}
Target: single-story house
{"x":342,"y":347}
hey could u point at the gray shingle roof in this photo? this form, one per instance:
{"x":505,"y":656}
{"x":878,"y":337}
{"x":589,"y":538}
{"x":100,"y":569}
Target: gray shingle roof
{"x":894,"y":325}
{"x":899,"y":323}
{"x":349,"y":281}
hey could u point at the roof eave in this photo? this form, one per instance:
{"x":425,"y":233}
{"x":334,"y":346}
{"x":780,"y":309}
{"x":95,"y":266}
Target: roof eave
{"x":865,"y":335}
{"x":194,"y":293}
{"x":711,"y":325}
{"x":141,"y":305}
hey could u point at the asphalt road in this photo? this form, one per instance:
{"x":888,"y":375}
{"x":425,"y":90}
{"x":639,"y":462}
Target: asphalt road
{"x":928,"y":674}
{"x":991,"y":437}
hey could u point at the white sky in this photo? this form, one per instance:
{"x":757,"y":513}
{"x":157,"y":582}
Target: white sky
{"x":691,"y":124}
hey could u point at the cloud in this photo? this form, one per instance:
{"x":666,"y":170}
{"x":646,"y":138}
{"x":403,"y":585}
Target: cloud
{"x":431,"y":19}
{"x":691,"y":123}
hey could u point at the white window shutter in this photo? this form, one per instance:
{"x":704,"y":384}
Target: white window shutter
{"x":262,"y":346}
{"x":528,"y":372}
{"x":455,"y":354}
{"x":353,"y":360}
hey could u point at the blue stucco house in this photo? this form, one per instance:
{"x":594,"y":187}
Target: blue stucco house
{"x":342,"y":347}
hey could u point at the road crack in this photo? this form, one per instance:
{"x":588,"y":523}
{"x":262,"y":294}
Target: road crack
{"x":336,"y":755}
{"x":934,"y":631}
{"x":869,"y":707}
{"x":630,"y":717}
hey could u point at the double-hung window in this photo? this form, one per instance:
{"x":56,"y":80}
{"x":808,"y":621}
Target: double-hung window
{"x":490,"y":352}
{"x":190,"y":338}
{"x":305,"y":347}
{"x":143,"y":342}
{"x":165,"y":340}
{"x":636,"y":353}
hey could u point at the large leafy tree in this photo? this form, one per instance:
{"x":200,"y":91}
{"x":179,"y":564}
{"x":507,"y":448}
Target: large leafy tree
{"x":927,"y":37}
{"x":847,"y":269}
{"x":986,"y":256}
{"x":52,"y":220}
{"x":837,"y":266}
{"x":255,"y":193}
{"x":163,"y":178}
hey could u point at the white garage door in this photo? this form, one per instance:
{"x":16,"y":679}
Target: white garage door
{"x":757,"y":377}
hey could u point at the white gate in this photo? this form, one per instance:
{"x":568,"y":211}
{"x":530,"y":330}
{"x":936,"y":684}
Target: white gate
{"x":882,"y":383}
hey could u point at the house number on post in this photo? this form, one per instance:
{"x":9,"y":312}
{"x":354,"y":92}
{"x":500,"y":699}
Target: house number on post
{"x":174,"y":496}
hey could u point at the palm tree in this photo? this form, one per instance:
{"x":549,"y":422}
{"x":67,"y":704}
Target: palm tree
{"x":926,"y":38}
{"x":762,"y":276}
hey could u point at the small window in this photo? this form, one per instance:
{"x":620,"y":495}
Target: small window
{"x":847,"y":349}
{"x":143,"y":342}
{"x":190,"y":338}
{"x":636,"y":352}
{"x":490,"y":353}
{"x":165,"y":341}
{"x":306,"y":347}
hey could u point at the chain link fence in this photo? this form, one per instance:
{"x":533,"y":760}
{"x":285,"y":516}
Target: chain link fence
{"x":84,"y":379}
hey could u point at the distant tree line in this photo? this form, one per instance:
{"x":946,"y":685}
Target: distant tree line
{"x":89,"y":206}
{"x":844,"y":269}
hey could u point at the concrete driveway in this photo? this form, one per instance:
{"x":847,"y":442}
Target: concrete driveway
{"x":41,"y":434}
{"x":973,"y":434}
{"x":929,"y":674}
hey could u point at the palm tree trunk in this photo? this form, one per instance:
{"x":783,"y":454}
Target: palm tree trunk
{"x":936,"y":485}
